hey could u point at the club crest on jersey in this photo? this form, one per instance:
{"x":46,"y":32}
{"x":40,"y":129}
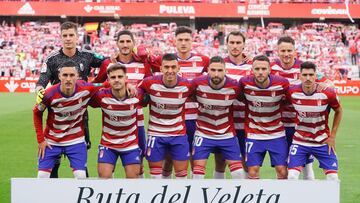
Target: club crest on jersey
{"x":136,"y":70}
{"x":226,"y":97}
{"x":81,"y":66}
{"x":273,"y":93}
{"x":80,"y":100}
{"x":43,"y":68}
{"x":131,"y":106}
{"x":319,"y":102}
{"x":180,"y":95}
{"x":194,"y":64}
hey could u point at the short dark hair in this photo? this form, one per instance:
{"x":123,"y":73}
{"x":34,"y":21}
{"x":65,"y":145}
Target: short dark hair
{"x":69,"y":63}
{"x":125,"y":32}
{"x":286,"y":39}
{"x":235,"y":33}
{"x":169,"y":57}
{"x":307,"y":65}
{"x":261,"y":58}
{"x":217,"y":59}
{"x":183,"y":29}
{"x":114,"y":67}
{"x":68,"y":25}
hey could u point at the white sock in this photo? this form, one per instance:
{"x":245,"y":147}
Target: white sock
{"x":332,"y":176}
{"x":293,"y":174}
{"x":43,"y":174}
{"x":238,"y":174}
{"x":157,"y":176}
{"x":198,"y":176}
{"x":219,"y":175}
{"x":79,"y":174}
{"x":308,"y":172}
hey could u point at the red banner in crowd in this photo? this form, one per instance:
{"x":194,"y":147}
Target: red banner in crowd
{"x":228,"y":10}
{"x":347,"y":88}
{"x":11,"y":84}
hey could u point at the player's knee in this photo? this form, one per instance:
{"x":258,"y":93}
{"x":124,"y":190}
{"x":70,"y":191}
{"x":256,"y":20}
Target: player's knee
{"x":43,"y":174}
{"x":79,"y":174}
{"x":293,"y":174}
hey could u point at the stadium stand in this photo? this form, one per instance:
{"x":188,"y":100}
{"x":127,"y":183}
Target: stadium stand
{"x":24,"y":47}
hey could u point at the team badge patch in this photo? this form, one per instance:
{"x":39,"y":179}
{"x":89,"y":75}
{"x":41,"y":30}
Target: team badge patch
{"x":101,"y":154}
{"x":131,"y":106}
{"x":319,"y":102}
{"x":273,"y":93}
{"x":226,"y":97}
{"x":180,"y":95}
{"x":43,"y":68}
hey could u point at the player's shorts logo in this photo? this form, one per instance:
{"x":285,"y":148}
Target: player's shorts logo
{"x":101,"y":153}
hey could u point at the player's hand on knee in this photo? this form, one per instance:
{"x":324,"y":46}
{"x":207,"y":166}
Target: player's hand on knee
{"x":40,"y":95}
{"x":42,"y":147}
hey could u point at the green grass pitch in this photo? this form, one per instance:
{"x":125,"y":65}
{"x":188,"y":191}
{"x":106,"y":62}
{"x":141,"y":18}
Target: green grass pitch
{"x":18,"y":147}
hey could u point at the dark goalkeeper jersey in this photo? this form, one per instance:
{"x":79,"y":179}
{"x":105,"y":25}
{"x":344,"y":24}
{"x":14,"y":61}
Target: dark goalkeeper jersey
{"x":84,"y":58}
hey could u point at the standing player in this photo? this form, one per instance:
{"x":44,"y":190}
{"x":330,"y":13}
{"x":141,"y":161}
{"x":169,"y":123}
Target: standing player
{"x":137,"y":69}
{"x":216,"y":94}
{"x":265,"y":132}
{"x":312,"y":134}
{"x":237,"y":66}
{"x":288,"y":67}
{"x":49,"y":72}
{"x":191,"y":66}
{"x":64,"y":132}
{"x":119,"y":131}
{"x":167,"y":132}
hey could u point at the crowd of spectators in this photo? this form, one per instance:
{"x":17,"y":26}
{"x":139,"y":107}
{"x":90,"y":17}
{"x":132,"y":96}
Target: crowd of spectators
{"x":203,"y":1}
{"x":332,"y":47}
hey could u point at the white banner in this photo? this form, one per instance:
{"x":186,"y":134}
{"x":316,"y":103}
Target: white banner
{"x":172,"y":191}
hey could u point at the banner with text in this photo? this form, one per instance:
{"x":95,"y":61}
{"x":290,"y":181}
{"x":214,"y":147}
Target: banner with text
{"x":171,"y":191}
{"x":12,"y":84}
{"x":228,"y":10}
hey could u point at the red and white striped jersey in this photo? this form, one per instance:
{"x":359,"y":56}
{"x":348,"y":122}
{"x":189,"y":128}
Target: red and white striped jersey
{"x":263,"y":119}
{"x":237,"y":71}
{"x":64,"y":124}
{"x":215,"y":113}
{"x":167,"y":113}
{"x":292,"y":74}
{"x":136,"y":71}
{"x":119,"y":130}
{"x":190,"y":68}
{"x":312,"y":115}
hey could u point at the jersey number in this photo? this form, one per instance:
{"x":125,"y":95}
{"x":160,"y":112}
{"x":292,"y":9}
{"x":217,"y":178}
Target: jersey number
{"x":198,"y":140}
{"x":293,"y":149}
{"x":151,"y":142}
{"x":249,"y":146}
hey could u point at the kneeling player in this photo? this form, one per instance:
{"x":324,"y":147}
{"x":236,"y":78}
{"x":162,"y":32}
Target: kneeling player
{"x":312,"y":134}
{"x":119,"y":132}
{"x":215,"y":131}
{"x":64,"y":133}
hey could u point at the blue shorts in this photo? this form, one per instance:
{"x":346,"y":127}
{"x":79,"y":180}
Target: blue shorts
{"x":290,"y":131}
{"x":229,"y":148}
{"x":177,"y":146}
{"x":77,"y":155}
{"x":142,"y":139}
{"x":256,"y":150}
{"x":299,"y":154}
{"x":190,"y":131}
{"x":241,"y":137}
{"x":108,"y":155}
